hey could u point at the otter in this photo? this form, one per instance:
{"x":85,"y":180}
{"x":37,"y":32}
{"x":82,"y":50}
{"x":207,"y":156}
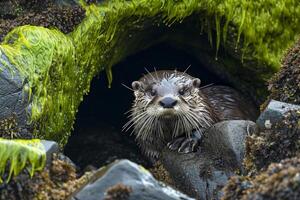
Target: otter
{"x":170,"y":108}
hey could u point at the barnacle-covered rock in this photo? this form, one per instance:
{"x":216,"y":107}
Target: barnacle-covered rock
{"x":58,"y":181}
{"x":48,"y":13}
{"x":279,"y":181}
{"x":285,"y":85}
{"x":273,"y":145}
{"x":9,"y":127}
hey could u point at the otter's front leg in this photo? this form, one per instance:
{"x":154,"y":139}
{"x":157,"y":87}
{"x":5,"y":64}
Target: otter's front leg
{"x":185,"y":144}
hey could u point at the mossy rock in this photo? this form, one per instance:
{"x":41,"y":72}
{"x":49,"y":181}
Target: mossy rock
{"x":56,"y":68}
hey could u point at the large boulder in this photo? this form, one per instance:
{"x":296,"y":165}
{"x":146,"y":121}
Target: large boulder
{"x":14,"y":100}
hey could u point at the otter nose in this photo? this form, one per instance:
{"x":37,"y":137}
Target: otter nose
{"x":168,"y":102}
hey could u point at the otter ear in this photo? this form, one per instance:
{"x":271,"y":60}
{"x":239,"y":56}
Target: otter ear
{"x":196,"y":82}
{"x":136,"y":85}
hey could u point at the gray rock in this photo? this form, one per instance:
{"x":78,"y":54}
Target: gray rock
{"x":273,"y":113}
{"x":204,"y":173}
{"x":233,"y":134}
{"x":50,"y":148}
{"x":142,"y":183}
{"x":13,"y":100}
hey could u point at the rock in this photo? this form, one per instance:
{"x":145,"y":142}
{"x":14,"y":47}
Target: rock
{"x":130,"y":179}
{"x":272,"y":145}
{"x":234,"y":134}
{"x":204,"y":173}
{"x":13,"y":101}
{"x":58,"y":181}
{"x":273,"y":113}
{"x":284,"y":85}
{"x":50,"y":148}
{"x":279,"y":181}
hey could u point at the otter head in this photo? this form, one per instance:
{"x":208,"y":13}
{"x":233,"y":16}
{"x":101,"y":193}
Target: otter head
{"x":167,"y":104}
{"x":166,"y":97}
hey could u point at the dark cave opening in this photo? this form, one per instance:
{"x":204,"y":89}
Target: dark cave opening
{"x":97,"y":138}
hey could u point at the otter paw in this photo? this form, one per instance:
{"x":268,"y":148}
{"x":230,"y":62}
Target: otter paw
{"x":186,"y":144}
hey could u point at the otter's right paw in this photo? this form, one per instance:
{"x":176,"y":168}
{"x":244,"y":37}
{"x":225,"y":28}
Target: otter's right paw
{"x":186,"y":144}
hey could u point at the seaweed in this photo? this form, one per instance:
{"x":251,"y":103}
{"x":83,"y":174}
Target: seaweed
{"x":19,"y":154}
{"x":57,"y":181}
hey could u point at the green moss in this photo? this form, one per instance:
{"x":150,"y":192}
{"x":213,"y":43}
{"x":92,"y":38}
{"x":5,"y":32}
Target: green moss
{"x":59,"y":67}
{"x":20,"y":153}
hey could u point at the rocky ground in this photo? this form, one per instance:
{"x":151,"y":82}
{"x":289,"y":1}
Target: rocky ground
{"x":47,"y":13}
{"x":279,"y":181}
{"x":58,"y":181}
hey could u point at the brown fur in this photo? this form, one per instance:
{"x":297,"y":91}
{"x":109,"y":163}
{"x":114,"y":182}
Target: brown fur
{"x":198,"y":109}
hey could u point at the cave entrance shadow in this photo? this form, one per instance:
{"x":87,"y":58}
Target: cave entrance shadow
{"x":97,"y":138}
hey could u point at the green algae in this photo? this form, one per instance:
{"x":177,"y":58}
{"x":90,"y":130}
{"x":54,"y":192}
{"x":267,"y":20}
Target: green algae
{"x":60,"y":67}
{"x":19,"y":154}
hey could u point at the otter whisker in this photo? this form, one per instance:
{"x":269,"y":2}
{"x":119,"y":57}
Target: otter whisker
{"x":156,"y":73}
{"x":142,"y":128}
{"x":184,"y":123}
{"x":133,"y":121}
{"x":127,"y":87}
{"x":190,"y":125}
{"x":133,"y":118}
{"x":196,"y":121}
{"x":201,"y":123}
{"x":206,"y":86}
{"x":184,"y":72}
{"x":150,"y":74}
{"x":176,"y":127}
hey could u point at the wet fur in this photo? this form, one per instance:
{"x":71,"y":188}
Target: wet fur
{"x":206,"y":107}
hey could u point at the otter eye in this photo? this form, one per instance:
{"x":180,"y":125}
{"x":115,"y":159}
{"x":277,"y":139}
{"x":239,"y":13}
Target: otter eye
{"x":181,"y":91}
{"x":153,"y":92}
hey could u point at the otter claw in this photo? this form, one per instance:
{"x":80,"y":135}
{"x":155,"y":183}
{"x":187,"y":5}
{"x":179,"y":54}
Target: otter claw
{"x":176,"y":143}
{"x":186,"y":145}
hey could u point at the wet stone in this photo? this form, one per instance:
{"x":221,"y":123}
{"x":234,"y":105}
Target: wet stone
{"x":51,"y":147}
{"x":126,"y":180}
{"x":273,"y":113}
{"x":204,"y":173}
{"x":13,"y":100}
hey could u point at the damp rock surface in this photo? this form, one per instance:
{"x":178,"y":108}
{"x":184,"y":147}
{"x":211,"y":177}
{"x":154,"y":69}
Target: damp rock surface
{"x":13,"y":100}
{"x":51,"y":147}
{"x":204,"y":173}
{"x":127,"y":180}
{"x":273,"y":113}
